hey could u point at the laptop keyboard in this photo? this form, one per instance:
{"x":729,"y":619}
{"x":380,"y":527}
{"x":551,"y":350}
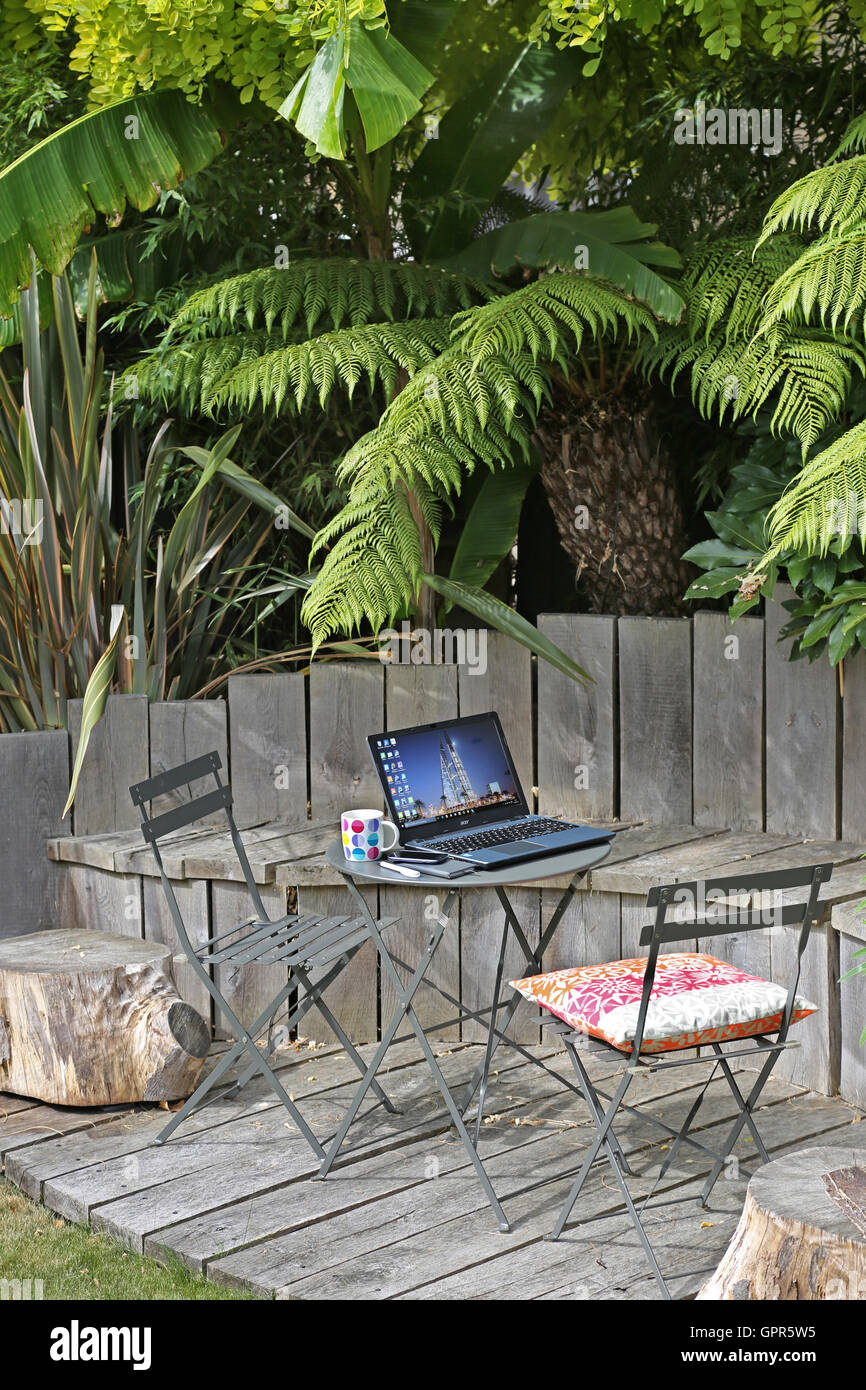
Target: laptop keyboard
{"x":499,"y":835}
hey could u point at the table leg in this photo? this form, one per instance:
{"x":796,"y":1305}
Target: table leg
{"x":404,"y":1009}
{"x":404,"y":997}
{"x":533,"y":959}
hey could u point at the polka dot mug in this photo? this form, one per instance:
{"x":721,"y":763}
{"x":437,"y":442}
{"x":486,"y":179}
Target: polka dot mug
{"x":362,"y":833}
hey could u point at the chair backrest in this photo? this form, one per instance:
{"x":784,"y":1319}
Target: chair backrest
{"x":153,"y":827}
{"x":716,"y":907}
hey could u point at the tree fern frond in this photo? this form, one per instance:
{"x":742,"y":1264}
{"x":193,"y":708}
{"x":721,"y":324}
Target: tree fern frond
{"x":186,"y":373}
{"x":375,"y":352}
{"x":829,"y":276}
{"x":329,"y":293}
{"x":476,"y":404}
{"x":725,"y":281}
{"x":806,"y":374}
{"x":832,"y":197}
{"x":823,"y":500}
{"x":536,"y":318}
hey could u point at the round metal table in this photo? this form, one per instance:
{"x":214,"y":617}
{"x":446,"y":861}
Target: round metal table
{"x":573,"y":864}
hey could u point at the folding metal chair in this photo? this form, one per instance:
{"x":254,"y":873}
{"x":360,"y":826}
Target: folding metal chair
{"x":302,"y":944}
{"x":649,"y":1048}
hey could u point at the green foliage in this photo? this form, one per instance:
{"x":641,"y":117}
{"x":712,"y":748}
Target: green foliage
{"x":804,"y":374}
{"x":829,"y":612}
{"x":124,"y":153}
{"x":386,"y":85}
{"x":476,"y":403}
{"x":479,"y":142}
{"x":179,"y":603}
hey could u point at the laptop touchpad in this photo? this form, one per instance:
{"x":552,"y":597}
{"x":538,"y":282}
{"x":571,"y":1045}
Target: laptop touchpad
{"x":519,"y":847}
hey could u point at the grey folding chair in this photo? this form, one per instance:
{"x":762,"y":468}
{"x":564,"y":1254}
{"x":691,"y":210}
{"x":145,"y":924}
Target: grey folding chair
{"x":301,"y":944}
{"x":576,"y":1002}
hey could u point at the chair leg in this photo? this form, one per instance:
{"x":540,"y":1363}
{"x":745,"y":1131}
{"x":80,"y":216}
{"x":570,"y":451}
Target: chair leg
{"x":603,"y":1124}
{"x":605,"y":1138}
{"x":195,"y":1100}
{"x":314,"y":994}
{"x":738,"y":1097}
{"x":737,"y":1126}
{"x":488,"y":1051}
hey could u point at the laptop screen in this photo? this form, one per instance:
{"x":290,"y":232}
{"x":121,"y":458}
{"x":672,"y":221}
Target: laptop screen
{"x":453,"y":771}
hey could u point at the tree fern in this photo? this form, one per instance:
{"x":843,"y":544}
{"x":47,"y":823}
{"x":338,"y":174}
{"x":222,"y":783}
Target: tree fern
{"x":377,"y":352}
{"x":739,"y":360}
{"x":725,"y":282}
{"x":805,"y":374}
{"x":828,"y":280}
{"x":326,"y":294}
{"x":831,"y":198}
{"x":824,"y":500}
{"x":476,"y":403}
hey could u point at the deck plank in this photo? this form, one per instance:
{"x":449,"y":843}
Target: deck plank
{"x":402,"y":1215}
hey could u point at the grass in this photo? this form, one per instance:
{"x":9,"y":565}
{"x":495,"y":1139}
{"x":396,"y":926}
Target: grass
{"x":74,"y":1262}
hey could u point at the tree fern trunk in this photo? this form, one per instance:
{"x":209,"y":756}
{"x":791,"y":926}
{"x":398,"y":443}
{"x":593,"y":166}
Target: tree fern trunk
{"x":612,"y":490}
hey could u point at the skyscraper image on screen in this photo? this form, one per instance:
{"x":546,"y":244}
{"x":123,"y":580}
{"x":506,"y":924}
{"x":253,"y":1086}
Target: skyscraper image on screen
{"x":456,"y":786}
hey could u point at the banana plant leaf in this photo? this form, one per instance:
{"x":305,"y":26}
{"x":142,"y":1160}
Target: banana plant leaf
{"x":479,"y":141}
{"x":491,"y":526}
{"x":128,"y":152}
{"x":611,"y":245}
{"x":123,"y":272}
{"x":497,"y":614}
{"x":386,"y":81}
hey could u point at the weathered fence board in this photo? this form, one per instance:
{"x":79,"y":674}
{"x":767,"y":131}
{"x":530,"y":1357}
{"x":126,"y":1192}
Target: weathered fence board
{"x":117,"y":756}
{"x":801,"y":735}
{"x":655,"y":707}
{"x":589,"y":933}
{"x":184,"y":729}
{"x":728,"y":665}
{"x":95,"y":900}
{"x":577,"y":754}
{"x":416,"y":695}
{"x":34,"y":775}
{"x":853,"y":770}
{"x":268,"y":736}
{"x":505,"y":686}
{"x":346,"y":704}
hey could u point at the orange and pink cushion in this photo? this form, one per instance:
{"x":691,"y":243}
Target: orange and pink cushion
{"x":695,"y":999}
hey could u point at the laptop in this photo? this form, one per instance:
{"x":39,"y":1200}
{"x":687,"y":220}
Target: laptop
{"x":451,"y":788}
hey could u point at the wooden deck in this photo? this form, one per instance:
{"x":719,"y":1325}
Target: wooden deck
{"x":403,"y":1216}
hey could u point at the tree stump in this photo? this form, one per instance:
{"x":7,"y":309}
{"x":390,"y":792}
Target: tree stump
{"x":793,"y":1241}
{"x":92,"y":1019}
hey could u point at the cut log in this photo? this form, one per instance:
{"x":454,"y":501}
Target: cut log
{"x":793,"y":1241}
{"x":92,"y":1019}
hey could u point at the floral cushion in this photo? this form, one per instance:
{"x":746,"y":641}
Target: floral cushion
{"x":695,"y":999}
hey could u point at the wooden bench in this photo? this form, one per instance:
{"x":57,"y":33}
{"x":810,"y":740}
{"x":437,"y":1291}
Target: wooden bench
{"x":103,"y":877}
{"x":690,"y":726}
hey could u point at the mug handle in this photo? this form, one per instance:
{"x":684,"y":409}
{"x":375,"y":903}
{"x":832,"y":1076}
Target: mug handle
{"x":389,"y":825}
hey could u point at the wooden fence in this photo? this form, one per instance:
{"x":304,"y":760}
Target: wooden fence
{"x":689,"y":721}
